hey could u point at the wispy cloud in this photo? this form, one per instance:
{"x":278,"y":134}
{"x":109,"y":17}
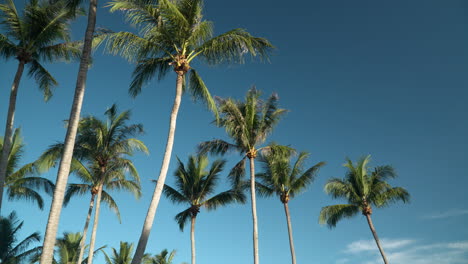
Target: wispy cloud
{"x":403,"y":251}
{"x":369,"y":245}
{"x":447,"y":214}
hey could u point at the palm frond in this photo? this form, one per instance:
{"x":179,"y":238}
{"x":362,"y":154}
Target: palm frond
{"x":334,"y":213}
{"x":107,"y":199}
{"x":232,"y":46}
{"x":217,"y":146}
{"x":182,"y":218}
{"x":199,"y":91}
{"x":225,"y":198}
{"x":146,"y":70}
{"x":45,"y":80}
{"x":174,"y":195}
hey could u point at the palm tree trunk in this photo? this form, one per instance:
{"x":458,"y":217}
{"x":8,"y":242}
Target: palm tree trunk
{"x":140,"y":250}
{"x":65,"y":162}
{"x":374,"y":233}
{"x":254,"y":210}
{"x":291,"y":242}
{"x":95,"y":225}
{"x":7,"y":140}
{"x":192,"y":239}
{"x":85,"y":230}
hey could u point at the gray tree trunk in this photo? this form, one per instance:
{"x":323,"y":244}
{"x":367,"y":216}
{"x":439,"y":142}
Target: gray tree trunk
{"x":7,"y":140}
{"x":65,"y":162}
{"x":145,"y":232}
{"x":374,"y":233}
{"x":95,"y":226}
{"x":291,"y":242}
{"x":192,"y":239}
{"x":85,"y":230}
{"x":254,"y":210}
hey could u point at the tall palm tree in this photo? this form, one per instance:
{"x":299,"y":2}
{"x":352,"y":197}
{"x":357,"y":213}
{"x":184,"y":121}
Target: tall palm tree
{"x":285,"y":179}
{"x":69,"y":143}
{"x":363,"y":188}
{"x":172,"y":35}
{"x":39,"y":35}
{"x":194,"y":186}
{"x":10,"y":251}
{"x":101,"y":152}
{"x":23,"y":183}
{"x":248,"y":124}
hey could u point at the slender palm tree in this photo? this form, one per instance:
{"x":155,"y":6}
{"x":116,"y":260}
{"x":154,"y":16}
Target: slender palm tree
{"x":122,"y":256}
{"x":248,"y":124}
{"x":285,"y":179}
{"x":172,"y":35}
{"x":101,"y":152}
{"x":363,"y":188}
{"x":23,"y":183}
{"x":194,"y":186}
{"x":10,"y":251}
{"x":69,"y":143}
{"x":91,"y":184}
{"x":39,"y":35}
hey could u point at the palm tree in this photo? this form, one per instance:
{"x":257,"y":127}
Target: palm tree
{"x":123,"y":256}
{"x":362,"y":188}
{"x":90,"y":185}
{"x":194,"y":185}
{"x":39,"y":35}
{"x":11,"y":253}
{"x":67,"y":154}
{"x":284,"y":179}
{"x":101,"y":162}
{"x":162,"y":258}
{"x":248,"y":124}
{"x":172,"y":35}
{"x":21,"y":183}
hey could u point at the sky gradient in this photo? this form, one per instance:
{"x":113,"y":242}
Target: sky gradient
{"x":358,"y":77}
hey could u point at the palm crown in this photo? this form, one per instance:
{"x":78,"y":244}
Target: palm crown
{"x":282,"y":177}
{"x":362,"y":188}
{"x":174,"y":33}
{"x":22,"y":183}
{"x":12,"y":251}
{"x":102,"y":147}
{"x":41,"y":34}
{"x":248,"y":124}
{"x":194,"y":186}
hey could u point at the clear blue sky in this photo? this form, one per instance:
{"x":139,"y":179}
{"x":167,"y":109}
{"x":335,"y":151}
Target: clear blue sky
{"x":359,"y":77}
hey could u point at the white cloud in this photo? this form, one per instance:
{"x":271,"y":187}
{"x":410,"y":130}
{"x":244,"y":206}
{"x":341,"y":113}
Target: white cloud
{"x":447,"y":214}
{"x":369,"y":245}
{"x":404,"y":251}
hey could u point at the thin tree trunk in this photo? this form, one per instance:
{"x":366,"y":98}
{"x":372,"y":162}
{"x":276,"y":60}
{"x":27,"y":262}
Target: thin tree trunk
{"x":65,"y":162}
{"x":192,"y":239}
{"x":7,"y":139}
{"x":140,"y":250}
{"x":291,"y":242}
{"x":254,"y":210}
{"x":374,"y":233}
{"x":85,"y":230}
{"x":95,"y":225}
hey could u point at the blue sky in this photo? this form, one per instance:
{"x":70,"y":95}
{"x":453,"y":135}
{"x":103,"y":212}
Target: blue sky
{"x":359,"y":77}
